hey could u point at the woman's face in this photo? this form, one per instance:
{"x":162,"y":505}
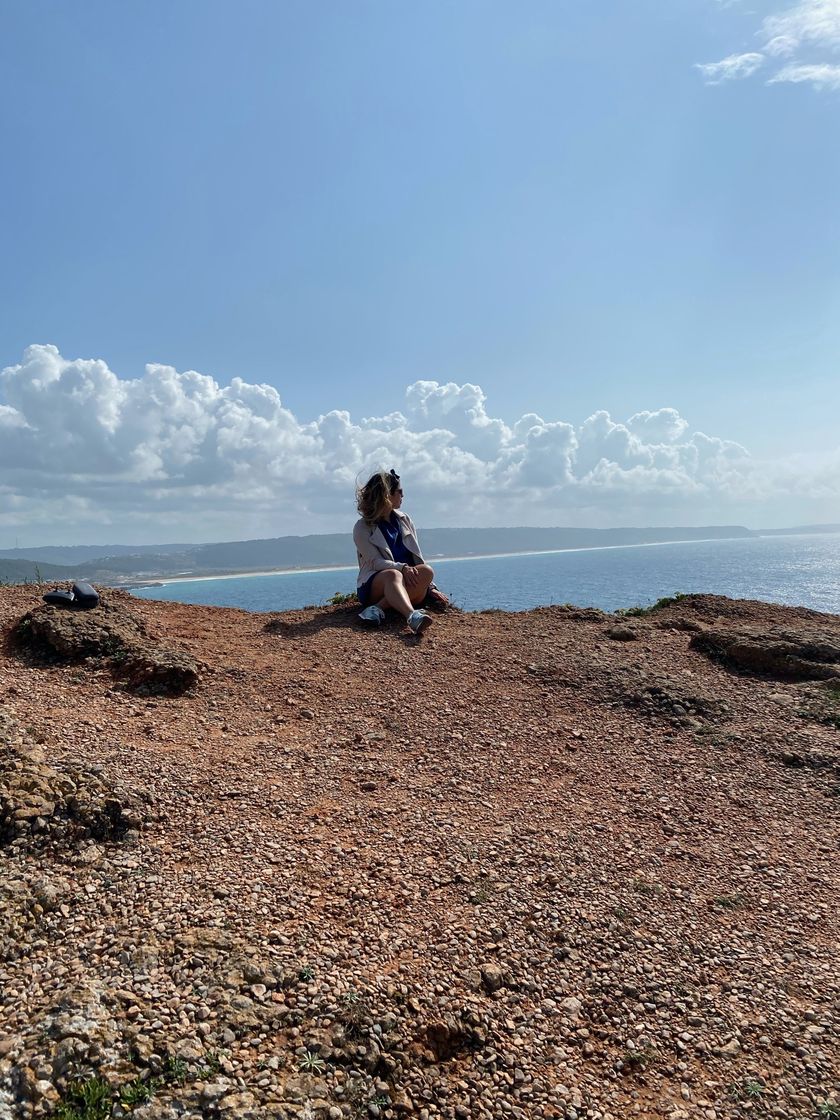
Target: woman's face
{"x":396,"y":498}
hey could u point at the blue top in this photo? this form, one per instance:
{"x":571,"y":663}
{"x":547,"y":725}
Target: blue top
{"x":393,"y":537}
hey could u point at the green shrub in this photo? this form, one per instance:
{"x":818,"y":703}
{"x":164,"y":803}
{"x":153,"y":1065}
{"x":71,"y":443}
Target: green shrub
{"x":728,"y":901}
{"x":91,"y":1099}
{"x":342,"y":599}
{"x":748,"y":1089}
{"x":659,"y":605}
{"x":311,"y":1063}
{"x":138,"y":1091}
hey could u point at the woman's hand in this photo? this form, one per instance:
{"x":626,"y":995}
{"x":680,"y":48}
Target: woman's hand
{"x":410,"y":575}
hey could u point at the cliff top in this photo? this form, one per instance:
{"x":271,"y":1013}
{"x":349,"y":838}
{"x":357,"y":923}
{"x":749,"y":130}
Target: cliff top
{"x":551,"y":864}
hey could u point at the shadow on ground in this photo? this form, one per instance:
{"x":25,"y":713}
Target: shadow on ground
{"x":312,"y":620}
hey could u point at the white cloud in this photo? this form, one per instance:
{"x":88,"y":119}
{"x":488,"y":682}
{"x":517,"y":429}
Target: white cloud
{"x":85,"y":454}
{"x":780,"y":46}
{"x":664,"y":426}
{"x":733,"y":67}
{"x":808,"y":33}
{"x":823,"y":75}
{"x":808,"y":23}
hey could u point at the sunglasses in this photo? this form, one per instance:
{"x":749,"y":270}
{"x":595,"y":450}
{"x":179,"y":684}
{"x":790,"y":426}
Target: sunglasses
{"x":398,"y":490}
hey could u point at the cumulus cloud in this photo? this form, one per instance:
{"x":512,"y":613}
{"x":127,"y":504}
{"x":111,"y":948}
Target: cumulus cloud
{"x":176,"y":455}
{"x":808,"y":33}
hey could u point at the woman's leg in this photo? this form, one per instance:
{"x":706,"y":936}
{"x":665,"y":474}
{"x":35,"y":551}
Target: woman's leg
{"x":417,"y":593}
{"x":388,"y":590}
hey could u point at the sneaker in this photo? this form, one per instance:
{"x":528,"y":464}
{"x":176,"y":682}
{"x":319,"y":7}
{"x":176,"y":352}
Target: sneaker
{"x":372,"y":615}
{"x":419,"y":620}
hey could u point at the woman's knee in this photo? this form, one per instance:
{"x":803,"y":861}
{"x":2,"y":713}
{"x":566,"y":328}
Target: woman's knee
{"x":391,"y":575}
{"x":426,"y":571}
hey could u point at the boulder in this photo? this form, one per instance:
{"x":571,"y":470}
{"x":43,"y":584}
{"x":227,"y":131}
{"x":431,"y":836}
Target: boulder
{"x":622,"y":634}
{"x":112,"y":634}
{"x":74,"y":635}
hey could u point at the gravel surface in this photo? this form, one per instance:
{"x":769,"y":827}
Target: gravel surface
{"x":552,"y":864}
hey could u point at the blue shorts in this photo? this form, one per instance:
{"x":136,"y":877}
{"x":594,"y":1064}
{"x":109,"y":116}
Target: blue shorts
{"x":364,"y":591}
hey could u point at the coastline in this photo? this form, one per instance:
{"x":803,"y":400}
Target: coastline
{"x":165,"y":581}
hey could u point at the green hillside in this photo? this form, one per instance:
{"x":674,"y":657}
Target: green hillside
{"x":30,"y":571}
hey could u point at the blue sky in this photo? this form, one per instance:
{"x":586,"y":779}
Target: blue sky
{"x":579,"y":208}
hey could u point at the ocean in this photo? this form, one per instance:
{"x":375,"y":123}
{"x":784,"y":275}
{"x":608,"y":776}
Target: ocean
{"x":803,"y":570}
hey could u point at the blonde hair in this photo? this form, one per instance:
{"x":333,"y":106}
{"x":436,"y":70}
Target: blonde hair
{"x":373,"y":500}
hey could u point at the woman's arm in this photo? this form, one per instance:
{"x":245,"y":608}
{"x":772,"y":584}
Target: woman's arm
{"x":369,"y":552}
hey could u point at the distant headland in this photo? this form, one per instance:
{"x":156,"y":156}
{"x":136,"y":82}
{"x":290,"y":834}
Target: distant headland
{"x":128,"y":565}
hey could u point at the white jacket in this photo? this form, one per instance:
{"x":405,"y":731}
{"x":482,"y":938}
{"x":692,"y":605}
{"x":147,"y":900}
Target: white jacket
{"x":373,"y":551}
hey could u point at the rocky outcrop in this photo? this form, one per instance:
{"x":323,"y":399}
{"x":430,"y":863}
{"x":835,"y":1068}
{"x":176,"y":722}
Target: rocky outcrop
{"x":112,"y":634}
{"x":46,"y":814}
{"x":73,"y":635}
{"x":802,"y":655}
{"x":39,"y":802}
{"x":156,"y":672}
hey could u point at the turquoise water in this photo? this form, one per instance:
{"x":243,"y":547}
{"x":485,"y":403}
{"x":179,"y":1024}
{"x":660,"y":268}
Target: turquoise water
{"x":801,"y":570}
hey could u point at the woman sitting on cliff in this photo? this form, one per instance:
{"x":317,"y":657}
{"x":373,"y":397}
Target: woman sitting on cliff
{"x":391,"y":568}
